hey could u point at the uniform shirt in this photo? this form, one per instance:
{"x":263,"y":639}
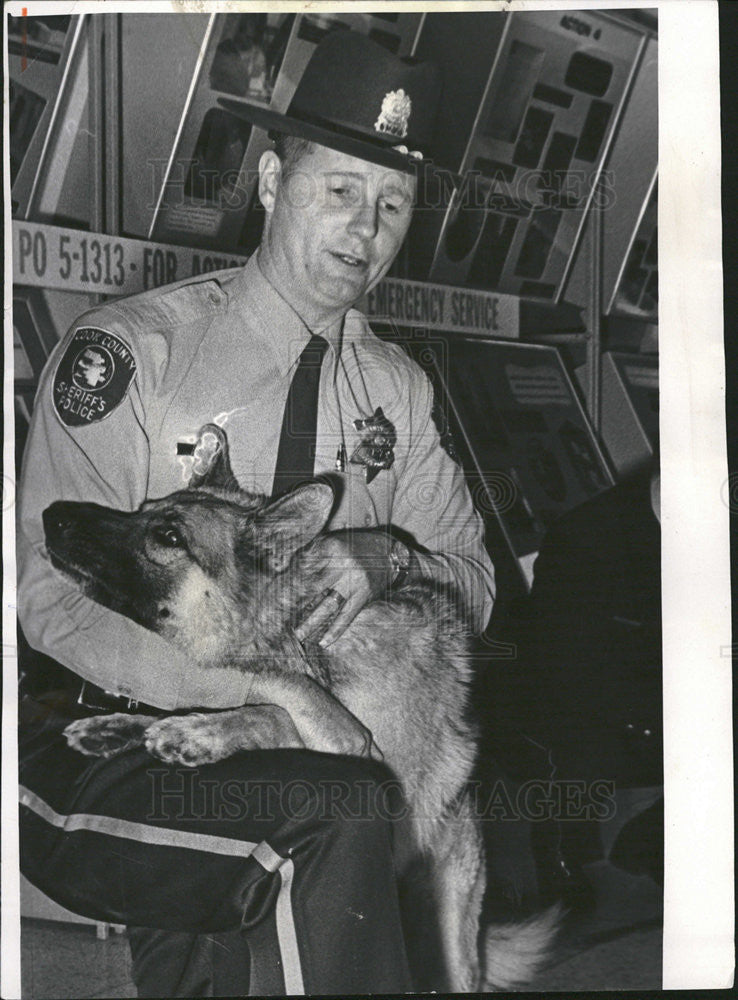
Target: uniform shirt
{"x":221,"y":348}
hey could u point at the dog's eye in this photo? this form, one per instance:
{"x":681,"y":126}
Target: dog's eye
{"x":168,"y":536}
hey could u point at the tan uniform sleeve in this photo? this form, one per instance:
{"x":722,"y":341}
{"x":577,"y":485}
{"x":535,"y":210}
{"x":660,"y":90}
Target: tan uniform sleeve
{"x":432,"y":502}
{"x":105,"y":462}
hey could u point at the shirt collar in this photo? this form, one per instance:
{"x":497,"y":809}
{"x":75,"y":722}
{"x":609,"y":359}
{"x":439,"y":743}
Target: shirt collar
{"x":274,"y":321}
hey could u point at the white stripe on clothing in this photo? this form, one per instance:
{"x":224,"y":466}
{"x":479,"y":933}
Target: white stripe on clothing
{"x":291,"y":967}
{"x":268,"y":858}
{"x":140,"y":832}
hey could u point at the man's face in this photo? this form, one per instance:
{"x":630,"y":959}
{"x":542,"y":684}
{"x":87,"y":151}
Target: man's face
{"x":335,"y":226}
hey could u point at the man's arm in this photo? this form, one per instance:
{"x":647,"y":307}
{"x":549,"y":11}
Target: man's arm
{"x":432,"y":503}
{"x":105,"y":461}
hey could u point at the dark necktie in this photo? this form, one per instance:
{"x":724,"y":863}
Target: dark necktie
{"x":296,"y":452}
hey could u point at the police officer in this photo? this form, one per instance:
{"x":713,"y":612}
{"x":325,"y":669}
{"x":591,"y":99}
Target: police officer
{"x":116,"y":420}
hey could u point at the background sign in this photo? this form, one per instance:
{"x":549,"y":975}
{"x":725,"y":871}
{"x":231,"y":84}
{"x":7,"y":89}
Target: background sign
{"x":443,"y":307}
{"x":77,"y":261}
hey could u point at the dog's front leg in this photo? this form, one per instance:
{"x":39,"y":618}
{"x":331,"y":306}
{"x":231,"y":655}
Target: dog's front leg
{"x":206,"y":737}
{"x":324,"y":724}
{"x":107,"y":735}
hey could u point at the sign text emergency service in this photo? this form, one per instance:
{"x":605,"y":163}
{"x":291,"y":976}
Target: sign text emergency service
{"x":440,"y":307}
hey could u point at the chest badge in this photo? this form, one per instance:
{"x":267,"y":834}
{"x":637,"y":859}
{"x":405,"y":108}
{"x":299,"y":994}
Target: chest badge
{"x":375,"y":450}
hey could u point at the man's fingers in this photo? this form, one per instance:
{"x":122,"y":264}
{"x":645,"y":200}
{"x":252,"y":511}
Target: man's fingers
{"x":319,"y":619}
{"x":342,"y":620}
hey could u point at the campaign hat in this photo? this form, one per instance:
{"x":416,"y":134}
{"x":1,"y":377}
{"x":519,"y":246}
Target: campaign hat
{"x":359,"y":98}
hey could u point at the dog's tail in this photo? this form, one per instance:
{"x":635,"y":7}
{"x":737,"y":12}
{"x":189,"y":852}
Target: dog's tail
{"x":514,"y":953}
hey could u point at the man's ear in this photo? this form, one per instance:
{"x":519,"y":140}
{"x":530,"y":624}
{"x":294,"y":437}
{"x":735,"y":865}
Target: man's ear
{"x":291,"y":522}
{"x":211,"y":466}
{"x":270,"y":176}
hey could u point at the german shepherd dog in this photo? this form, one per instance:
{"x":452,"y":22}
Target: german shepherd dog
{"x":211,"y":568}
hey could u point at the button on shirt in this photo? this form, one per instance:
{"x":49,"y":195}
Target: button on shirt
{"x":223,"y":349}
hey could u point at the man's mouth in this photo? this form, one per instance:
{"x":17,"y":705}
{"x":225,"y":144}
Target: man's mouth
{"x":350,"y":259}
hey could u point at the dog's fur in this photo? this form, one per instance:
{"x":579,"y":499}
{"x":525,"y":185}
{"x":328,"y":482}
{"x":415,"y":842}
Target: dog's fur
{"x":225,"y":575}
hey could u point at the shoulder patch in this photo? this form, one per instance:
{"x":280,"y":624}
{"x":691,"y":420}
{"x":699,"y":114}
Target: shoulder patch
{"x":93,"y":376}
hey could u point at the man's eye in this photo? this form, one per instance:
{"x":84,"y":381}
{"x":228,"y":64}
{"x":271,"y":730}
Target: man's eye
{"x":344,"y":193}
{"x":396,"y":205}
{"x":169,"y":537}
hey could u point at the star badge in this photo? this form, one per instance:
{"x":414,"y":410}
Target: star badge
{"x":375,"y":451}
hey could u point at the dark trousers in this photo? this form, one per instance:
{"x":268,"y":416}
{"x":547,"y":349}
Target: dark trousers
{"x":288,"y":851}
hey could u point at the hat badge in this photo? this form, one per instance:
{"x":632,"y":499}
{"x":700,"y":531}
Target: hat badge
{"x":395,"y":114}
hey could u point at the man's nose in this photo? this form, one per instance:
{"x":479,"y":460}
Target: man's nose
{"x":364,"y":221}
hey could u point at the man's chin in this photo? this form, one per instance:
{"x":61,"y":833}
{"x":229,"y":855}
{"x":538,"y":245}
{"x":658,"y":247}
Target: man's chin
{"x":342,"y":289}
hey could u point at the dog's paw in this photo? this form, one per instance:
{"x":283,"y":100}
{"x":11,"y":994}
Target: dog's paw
{"x":106,"y":735}
{"x":188,"y":739}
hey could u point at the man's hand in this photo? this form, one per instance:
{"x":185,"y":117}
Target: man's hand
{"x":349,"y":569}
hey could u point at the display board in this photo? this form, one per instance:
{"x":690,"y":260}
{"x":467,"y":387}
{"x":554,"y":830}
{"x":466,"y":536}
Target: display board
{"x":535,"y":152}
{"x":630,"y":410}
{"x":46,"y":65}
{"x":637,"y":292}
{"x":523,"y":434}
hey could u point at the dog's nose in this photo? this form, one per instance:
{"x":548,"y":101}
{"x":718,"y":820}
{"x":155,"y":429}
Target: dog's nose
{"x":59,"y":517}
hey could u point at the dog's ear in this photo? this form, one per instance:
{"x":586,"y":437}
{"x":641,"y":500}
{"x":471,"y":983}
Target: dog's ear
{"x":211,"y":466}
{"x":291,"y":522}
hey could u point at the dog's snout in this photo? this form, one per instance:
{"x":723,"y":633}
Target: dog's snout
{"x":58,"y":518}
